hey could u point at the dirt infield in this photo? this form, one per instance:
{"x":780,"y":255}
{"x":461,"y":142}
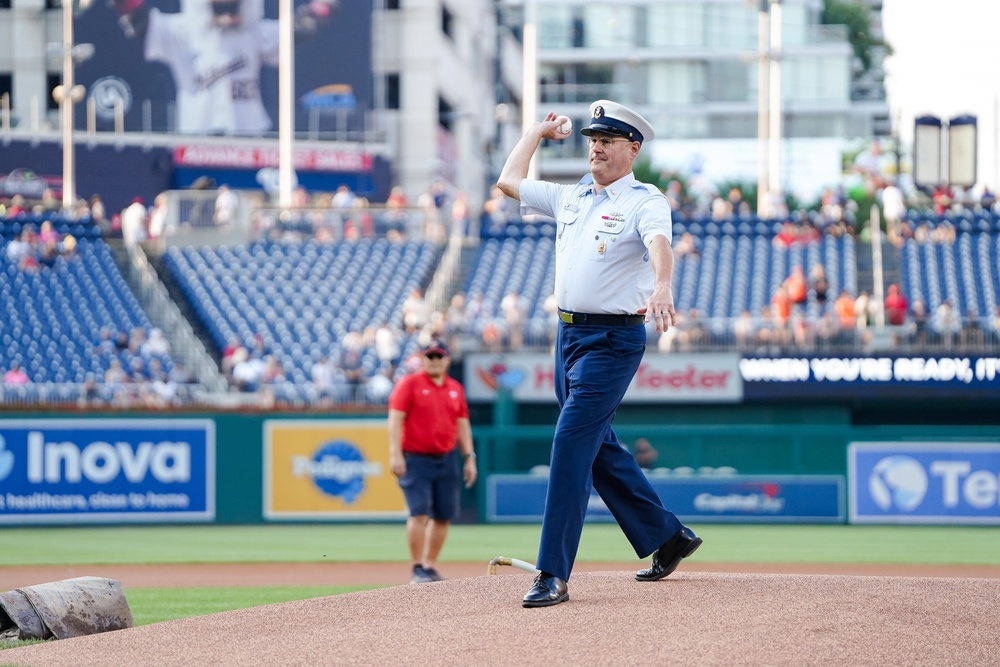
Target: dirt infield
{"x":694,"y":617}
{"x":390,"y":574}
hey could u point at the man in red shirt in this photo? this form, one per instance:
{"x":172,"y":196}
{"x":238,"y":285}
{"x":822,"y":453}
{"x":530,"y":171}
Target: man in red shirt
{"x":428,"y":414}
{"x":896,"y":306}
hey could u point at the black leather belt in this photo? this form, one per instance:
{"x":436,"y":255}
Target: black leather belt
{"x":600,"y":319}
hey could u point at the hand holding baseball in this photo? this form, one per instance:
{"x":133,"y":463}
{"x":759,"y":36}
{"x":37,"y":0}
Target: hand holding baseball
{"x":565,"y":124}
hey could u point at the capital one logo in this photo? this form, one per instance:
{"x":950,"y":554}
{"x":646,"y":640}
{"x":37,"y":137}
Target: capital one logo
{"x":898,"y":482}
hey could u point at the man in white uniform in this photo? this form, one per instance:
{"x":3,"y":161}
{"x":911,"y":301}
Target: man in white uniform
{"x":614,"y":268}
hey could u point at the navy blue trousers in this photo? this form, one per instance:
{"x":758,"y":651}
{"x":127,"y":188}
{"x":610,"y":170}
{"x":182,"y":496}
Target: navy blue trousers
{"x":594,"y":366}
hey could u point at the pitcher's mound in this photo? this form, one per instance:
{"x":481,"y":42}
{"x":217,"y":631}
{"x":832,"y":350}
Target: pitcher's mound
{"x":690,"y":618}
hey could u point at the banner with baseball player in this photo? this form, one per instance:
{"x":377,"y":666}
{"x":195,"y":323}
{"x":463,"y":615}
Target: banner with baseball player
{"x":210,"y":67}
{"x":329,"y":470}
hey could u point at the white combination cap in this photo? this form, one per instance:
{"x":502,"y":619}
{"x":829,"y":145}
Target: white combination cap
{"x":613,"y":118}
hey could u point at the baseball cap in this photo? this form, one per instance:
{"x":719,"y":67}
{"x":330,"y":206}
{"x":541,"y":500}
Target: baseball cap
{"x":435,"y":345}
{"x":618,"y":120}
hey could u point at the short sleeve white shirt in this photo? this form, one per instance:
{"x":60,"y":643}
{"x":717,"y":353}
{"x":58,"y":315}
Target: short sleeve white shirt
{"x":602,"y":262}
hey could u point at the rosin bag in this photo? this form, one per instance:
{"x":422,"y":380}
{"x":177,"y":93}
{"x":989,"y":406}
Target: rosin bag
{"x":64,"y":609}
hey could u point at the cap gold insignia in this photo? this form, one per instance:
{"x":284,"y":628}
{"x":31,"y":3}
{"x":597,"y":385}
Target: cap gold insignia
{"x":598,"y":112}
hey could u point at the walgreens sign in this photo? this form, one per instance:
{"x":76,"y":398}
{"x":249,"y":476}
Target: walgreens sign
{"x":675,"y":378}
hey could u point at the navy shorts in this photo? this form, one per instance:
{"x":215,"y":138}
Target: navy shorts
{"x":431,"y":485}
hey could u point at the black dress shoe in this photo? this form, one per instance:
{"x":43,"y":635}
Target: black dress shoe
{"x":668,"y":557}
{"x":547,"y":591}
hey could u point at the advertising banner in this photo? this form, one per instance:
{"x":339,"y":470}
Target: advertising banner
{"x":674,"y":378}
{"x":728,"y":499}
{"x":924,"y":482}
{"x":781,"y":378}
{"x":106,"y":470}
{"x":329,"y":470}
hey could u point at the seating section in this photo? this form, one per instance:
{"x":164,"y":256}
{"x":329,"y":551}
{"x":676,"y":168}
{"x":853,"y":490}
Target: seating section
{"x":302,"y":299}
{"x":955,"y":258}
{"x":732,"y":269}
{"x":519,"y":258}
{"x":736,"y":268}
{"x":53,"y":318}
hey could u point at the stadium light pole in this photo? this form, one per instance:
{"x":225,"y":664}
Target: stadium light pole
{"x":529,"y":63}
{"x":763,"y":94}
{"x":67,"y":94}
{"x":775,"y":111}
{"x":286,"y":88}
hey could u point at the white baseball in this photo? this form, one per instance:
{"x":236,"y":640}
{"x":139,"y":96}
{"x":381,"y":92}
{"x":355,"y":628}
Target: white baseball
{"x":565,"y":125}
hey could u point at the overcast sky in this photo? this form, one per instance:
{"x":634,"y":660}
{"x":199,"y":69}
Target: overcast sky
{"x":946,"y":63}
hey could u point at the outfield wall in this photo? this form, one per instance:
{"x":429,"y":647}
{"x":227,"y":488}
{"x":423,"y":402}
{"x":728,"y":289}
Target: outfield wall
{"x":253,"y":468}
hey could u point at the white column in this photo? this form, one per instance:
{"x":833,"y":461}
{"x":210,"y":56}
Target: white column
{"x":66,"y":109}
{"x":774,"y":133}
{"x":763,"y":101}
{"x":529,"y":96}
{"x":286,"y":107}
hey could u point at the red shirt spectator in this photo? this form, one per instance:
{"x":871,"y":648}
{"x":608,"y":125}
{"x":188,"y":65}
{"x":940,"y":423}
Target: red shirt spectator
{"x":896,"y":306}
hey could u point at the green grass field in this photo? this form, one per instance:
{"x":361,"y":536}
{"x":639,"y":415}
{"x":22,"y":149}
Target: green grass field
{"x":385,"y":543}
{"x":924,"y":545}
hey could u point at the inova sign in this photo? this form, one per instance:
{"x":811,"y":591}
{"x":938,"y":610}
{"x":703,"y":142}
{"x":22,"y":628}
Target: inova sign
{"x":95,"y":471}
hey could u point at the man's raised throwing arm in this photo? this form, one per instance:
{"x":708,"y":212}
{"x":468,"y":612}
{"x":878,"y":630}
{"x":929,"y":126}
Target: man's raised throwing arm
{"x":515,"y":169}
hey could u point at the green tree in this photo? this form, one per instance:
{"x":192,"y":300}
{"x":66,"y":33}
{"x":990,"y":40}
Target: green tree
{"x":856,"y":15}
{"x":645,"y":173}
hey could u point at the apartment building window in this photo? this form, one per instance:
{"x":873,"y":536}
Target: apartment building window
{"x":392,"y":91}
{"x":392,"y":5}
{"x":558,"y":27}
{"x":728,"y":81}
{"x":7,"y":87}
{"x":446,"y":114}
{"x":590,"y":26}
{"x":51,"y":81}
{"x":577,"y":83}
{"x":447,"y":22}
{"x":608,"y":26}
{"x":733,"y":127}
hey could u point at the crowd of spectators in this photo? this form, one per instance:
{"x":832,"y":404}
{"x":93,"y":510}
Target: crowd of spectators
{"x":38,"y":248}
{"x":138,"y":370}
{"x":471,"y":322}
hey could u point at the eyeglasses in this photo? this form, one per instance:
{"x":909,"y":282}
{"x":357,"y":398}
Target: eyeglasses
{"x":434,"y":356}
{"x":605,"y":142}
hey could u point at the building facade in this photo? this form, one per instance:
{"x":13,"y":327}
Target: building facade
{"x":691,"y":68}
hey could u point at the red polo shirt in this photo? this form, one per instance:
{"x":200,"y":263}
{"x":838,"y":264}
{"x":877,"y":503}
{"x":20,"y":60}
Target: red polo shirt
{"x":432,"y":412}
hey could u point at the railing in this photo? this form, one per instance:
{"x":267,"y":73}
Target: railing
{"x":161,"y":308}
{"x":333,"y":224}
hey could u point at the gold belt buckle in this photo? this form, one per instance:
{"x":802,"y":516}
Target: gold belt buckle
{"x":566,"y":317}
